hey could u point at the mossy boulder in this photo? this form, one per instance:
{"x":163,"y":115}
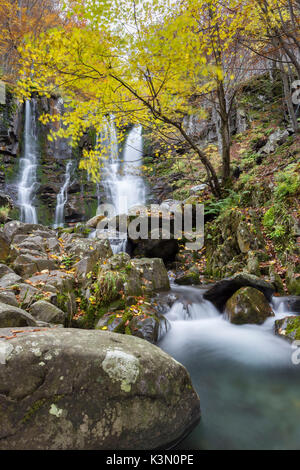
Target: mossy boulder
{"x":121,"y":275}
{"x":248,"y":305}
{"x":288,"y":328}
{"x":91,"y":390}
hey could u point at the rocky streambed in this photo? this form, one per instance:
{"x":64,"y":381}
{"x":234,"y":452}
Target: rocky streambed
{"x":63,"y":299}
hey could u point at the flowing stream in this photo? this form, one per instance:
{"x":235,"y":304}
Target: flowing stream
{"x":62,"y":198}
{"x":28,"y":166}
{"x":244,"y":375}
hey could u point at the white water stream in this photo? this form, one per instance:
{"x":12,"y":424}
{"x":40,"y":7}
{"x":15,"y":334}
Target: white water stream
{"x":62,"y":198}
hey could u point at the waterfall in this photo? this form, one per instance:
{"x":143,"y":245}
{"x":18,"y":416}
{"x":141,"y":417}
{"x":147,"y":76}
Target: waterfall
{"x":124,"y":187}
{"x":130,"y":188}
{"x":62,"y":198}
{"x":28,"y":165}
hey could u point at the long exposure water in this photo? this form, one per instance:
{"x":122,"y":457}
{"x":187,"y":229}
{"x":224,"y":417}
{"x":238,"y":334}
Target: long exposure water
{"x":62,"y":198}
{"x":244,"y":375}
{"x":124,"y":187}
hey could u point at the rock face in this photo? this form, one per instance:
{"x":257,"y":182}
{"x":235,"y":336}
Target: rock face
{"x":4,"y":247}
{"x":288,"y":328}
{"x":91,"y":390}
{"x":248,"y":305}
{"x":223,"y":290}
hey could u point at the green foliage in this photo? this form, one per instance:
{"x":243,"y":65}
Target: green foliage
{"x":288,"y":183}
{"x":278,"y":225}
{"x":4,"y":213}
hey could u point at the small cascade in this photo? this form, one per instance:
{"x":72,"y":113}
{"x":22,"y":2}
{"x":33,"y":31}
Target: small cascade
{"x":62,"y":198}
{"x":243,"y":373}
{"x":28,"y":165}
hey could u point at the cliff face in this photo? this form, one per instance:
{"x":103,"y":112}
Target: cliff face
{"x":53,"y":158}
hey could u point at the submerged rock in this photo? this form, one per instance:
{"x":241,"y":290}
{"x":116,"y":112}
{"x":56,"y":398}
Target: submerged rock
{"x":91,"y":390}
{"x":223,"y":290}
{"x":248,"y":305}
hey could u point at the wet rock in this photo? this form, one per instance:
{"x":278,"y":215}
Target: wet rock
{"x":45,"y":311}
{"x":248,"y":305}
{"x":224,"y":289}
{"x":288,"y":328}
{"x":188,"y":278}
{"x":12,"y":316}
{"x":149,"y":401}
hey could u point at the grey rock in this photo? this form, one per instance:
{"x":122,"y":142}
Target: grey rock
{"x":5,"y":270}
{"x":45,"y":311}
{"x":224,"y":289}
{"x":9,"y":280}
{"x":9,"y":298}
{"x":60,"y":403}
{"x":12,"y":316}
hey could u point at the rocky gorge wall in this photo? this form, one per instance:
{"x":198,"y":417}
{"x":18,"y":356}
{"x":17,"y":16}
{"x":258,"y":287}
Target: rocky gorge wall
{"x":53,"y":157}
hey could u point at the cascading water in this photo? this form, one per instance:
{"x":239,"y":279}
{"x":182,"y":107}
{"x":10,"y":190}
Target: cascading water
{"x":244,"y":374}
{"x":124,"y":187}
{"x":28,"y":166}
{"x":62,"y":198}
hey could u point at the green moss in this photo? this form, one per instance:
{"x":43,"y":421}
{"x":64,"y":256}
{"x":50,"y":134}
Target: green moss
{"x":293,"y":327}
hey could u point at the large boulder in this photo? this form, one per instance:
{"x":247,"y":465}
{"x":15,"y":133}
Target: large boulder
{"x":248,"y":305}
{"x":91,"y":390}
{"x":121,"y":275}
{"x":288,"y":328}
{"x":90,"y":252}
{"x":57,"y":280}
{"x":27,"y":264}
{"x":14,"y":317}
{"x":223,"y":290}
